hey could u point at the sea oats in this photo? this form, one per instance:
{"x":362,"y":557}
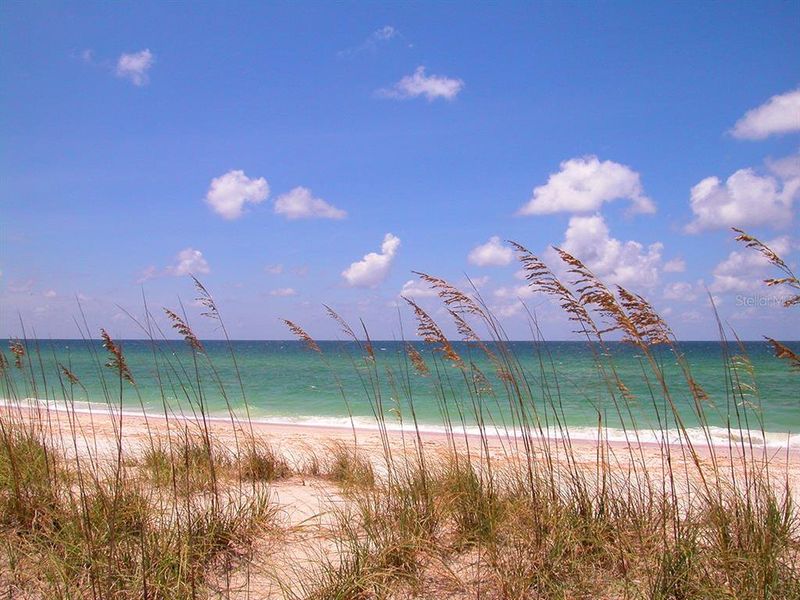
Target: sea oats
{"x":117,"y":360}
{"x":302,"y":335}
{"x":789,"y":280}
{"x":71,"y":377}
{"x":431,"y":333}
{"x":183,"y":328}
{"x":18,"y":350}
{"x":417,"y":360}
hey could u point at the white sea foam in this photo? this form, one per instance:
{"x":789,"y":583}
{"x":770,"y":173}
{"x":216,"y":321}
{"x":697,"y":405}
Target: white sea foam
{"x":716,"y":436}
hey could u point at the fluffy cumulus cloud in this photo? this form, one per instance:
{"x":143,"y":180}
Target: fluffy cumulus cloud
{"x":228,"y":193}
{"x":20,"y":287}
{"x":514,"y":292}
{"x":419,"y":84}
{"x":492,"y":253}
{"x":300,"y":203}
{"x":779,"y":114}
{"x":284,"y":292}
{"x":629,"y":263}
{"x":508,"y":300}
{"x":507,"y":310}
{"x":374,"y":267}
{"x":414,"y":288}
{"x":583,"y":184}
{"x":676,"y":265}
{"x":745,"y":269}
{"x":147,"y":274}
{"x":680,"y":290}
{"x":134,"y":67}
{"x":188,"y":262}
{"x":746,"y":198}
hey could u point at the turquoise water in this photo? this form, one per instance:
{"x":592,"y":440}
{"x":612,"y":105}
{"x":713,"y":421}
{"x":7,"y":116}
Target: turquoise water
{"x":283,"y":381}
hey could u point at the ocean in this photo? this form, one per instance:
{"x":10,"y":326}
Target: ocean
{"x":285,"y":382}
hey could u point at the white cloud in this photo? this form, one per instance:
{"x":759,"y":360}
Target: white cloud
{"x":477,"y":282}
{"x":779,"y":114}
{"x":420,"y":84}
{"x":680,"y":290}
{"x":373,"y":268}
{"x":628,"y":263}
{"x":514,"y":292}
{"x":283,"y":292}
{"x":387,"y":32}
{"x":20,"y":287}
{"x":134,"y":66}
{"x":276,"y":269}
{"x":693,"y":316}
{"x":147,"y":274}
{"x":744,"y":269}
{"x":506,"y":311}
{"x":747,"y":199}
{"x":492,"y":253}
{"x":50,"y":294}
{"x":228,"y":193}
{"x":583,"y":184}
{"x":676,"y":265}
{"x":414,"y":288}
{"x":188,"y":261}
{"x":299,"y":203}
{"x":375,"y":39}
{"x":787,"y":169}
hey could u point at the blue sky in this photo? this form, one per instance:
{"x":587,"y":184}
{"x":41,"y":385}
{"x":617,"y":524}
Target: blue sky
{"x":270,"y":148}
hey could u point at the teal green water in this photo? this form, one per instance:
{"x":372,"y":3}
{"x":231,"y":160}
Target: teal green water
{"x":284,"y":381}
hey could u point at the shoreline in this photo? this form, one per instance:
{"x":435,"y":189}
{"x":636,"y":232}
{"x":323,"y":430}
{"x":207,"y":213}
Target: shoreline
{"x":298,"y":443}
{"x":773,"y":442}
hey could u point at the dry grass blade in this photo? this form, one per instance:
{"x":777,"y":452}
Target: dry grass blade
{"x":540,"y":278}
{"x":18,"y":350}
{"x":302,"y":335}
{"x":206,"y":300}
{"x":593,"y":292}
{"x":117,"y":360}
{"x":345,"y":326}
{"x":183,"y":328}
{"x":71,"y":377}
{"x":697,"y":390}
{"x":651,"y":328}
{"x":452,"y":296}
{"x":480,"y":381}
{"x":790,"y":279}
{"x":348,"y":331}
{"x":785,"y":353}
{"x":759,"y":246}
{"x":430,"y":332}
{"x":464,"y":329}
{"x":417,"y":360}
